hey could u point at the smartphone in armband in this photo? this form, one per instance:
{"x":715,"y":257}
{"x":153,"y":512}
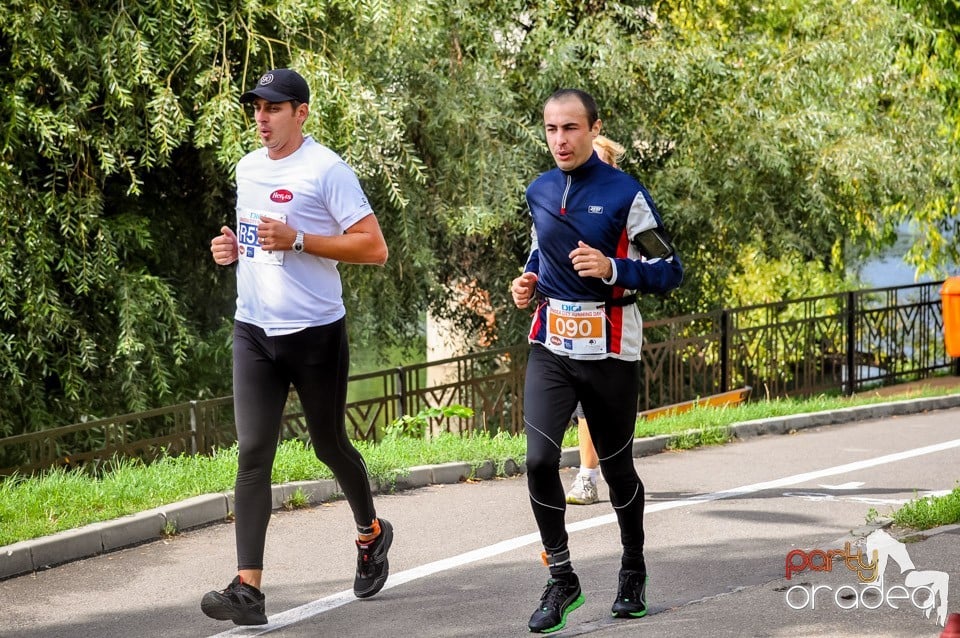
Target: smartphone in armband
{"x":653,"y":244}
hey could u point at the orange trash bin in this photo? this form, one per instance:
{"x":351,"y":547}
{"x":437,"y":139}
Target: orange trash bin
{"x":950,"y":302}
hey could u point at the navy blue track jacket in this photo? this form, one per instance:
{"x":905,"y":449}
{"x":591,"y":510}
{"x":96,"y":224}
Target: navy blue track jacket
{"x":606,"y":209}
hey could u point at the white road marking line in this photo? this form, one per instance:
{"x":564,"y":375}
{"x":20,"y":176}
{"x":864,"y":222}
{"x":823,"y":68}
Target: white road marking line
{"x":819,"y":497}
{"x":843,"y":486}
{"x":317,"y":607}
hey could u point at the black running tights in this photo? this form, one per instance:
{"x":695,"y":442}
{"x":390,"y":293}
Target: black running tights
{"x":316,"y":361}
{"x":607,"y":389}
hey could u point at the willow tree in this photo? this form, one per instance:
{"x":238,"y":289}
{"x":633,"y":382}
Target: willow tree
{"x":780,"y":131}
{"x":120,"y":129}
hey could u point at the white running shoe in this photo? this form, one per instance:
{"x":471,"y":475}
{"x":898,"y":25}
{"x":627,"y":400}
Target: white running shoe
{"x":583,"y":492}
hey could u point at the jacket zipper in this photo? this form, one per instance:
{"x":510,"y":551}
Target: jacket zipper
{"x":566,"y":191}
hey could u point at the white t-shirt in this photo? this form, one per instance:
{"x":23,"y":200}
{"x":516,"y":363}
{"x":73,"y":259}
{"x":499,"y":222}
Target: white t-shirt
{"x":312,"y":190}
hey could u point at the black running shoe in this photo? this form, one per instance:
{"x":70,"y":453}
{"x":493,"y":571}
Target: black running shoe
{"x":372,"y":563}
{"x":561,"y":596}
{"x":631,"y":599}
{"x":239,"y":602}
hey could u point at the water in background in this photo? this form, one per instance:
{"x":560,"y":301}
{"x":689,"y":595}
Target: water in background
{"x":889,"y":268}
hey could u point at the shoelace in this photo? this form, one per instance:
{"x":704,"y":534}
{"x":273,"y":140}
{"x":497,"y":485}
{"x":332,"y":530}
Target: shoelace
{"x":554,"y":594}
{"x":241,"y":594}
{"x":364,"y":564}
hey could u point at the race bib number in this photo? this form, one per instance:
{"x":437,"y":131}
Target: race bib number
{"x":576,"y":327}
{"x":250,"y":249}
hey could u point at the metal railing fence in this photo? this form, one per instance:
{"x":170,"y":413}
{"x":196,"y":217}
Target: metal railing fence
{"x":839,"y":342}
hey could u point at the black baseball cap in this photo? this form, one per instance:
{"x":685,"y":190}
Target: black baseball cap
{"x":279,"y":85}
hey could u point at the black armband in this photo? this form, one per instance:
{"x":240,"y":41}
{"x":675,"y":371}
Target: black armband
{"x":654,"y":244}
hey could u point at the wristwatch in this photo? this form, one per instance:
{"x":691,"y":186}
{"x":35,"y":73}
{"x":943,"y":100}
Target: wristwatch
{"x":298,"y":242}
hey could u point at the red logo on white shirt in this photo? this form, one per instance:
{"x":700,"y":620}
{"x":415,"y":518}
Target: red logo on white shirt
{"x":281,"y":196}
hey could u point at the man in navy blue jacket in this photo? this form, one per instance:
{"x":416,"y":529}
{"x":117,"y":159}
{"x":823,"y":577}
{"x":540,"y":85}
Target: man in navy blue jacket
{"x":598,"y":241}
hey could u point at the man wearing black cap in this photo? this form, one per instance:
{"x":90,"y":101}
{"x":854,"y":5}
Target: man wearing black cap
{"x":300,"y":211}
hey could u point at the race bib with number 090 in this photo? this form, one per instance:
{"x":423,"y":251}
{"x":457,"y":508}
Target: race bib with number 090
{"x":576,"y":327}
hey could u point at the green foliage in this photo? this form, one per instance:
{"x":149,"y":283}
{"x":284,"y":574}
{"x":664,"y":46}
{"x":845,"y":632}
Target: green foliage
{"x":296,"y":500}
{"x":930,"y":511}
{"x":92,"y":113}
{"x":698,"y":438}
{"x":791,"y":276}
{"x":120,"y":128}
{"x":415,"y":426}
{"x":798,"y":133}
{"x":795,"y":128}
{"x":296,"y":461}
{"x":933,"y":56}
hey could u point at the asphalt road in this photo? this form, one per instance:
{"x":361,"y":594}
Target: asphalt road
{"x":465,"y":562}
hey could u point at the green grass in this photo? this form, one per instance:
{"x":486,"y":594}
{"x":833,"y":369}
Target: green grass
{"x":65,"y":499}
{"x":929,"y":512}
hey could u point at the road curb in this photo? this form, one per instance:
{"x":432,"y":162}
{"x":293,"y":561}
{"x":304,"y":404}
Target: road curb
{"x":797,"y":422}
{"x":98,"y":538}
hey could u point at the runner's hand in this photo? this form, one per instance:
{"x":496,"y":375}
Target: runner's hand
{"x":522,"y":289}
{"x":590,"y":262}
{"x":224,"y":247}
{"x":273,"y":234}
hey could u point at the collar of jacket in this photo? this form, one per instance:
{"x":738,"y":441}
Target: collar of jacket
{"x":584,"y":168}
